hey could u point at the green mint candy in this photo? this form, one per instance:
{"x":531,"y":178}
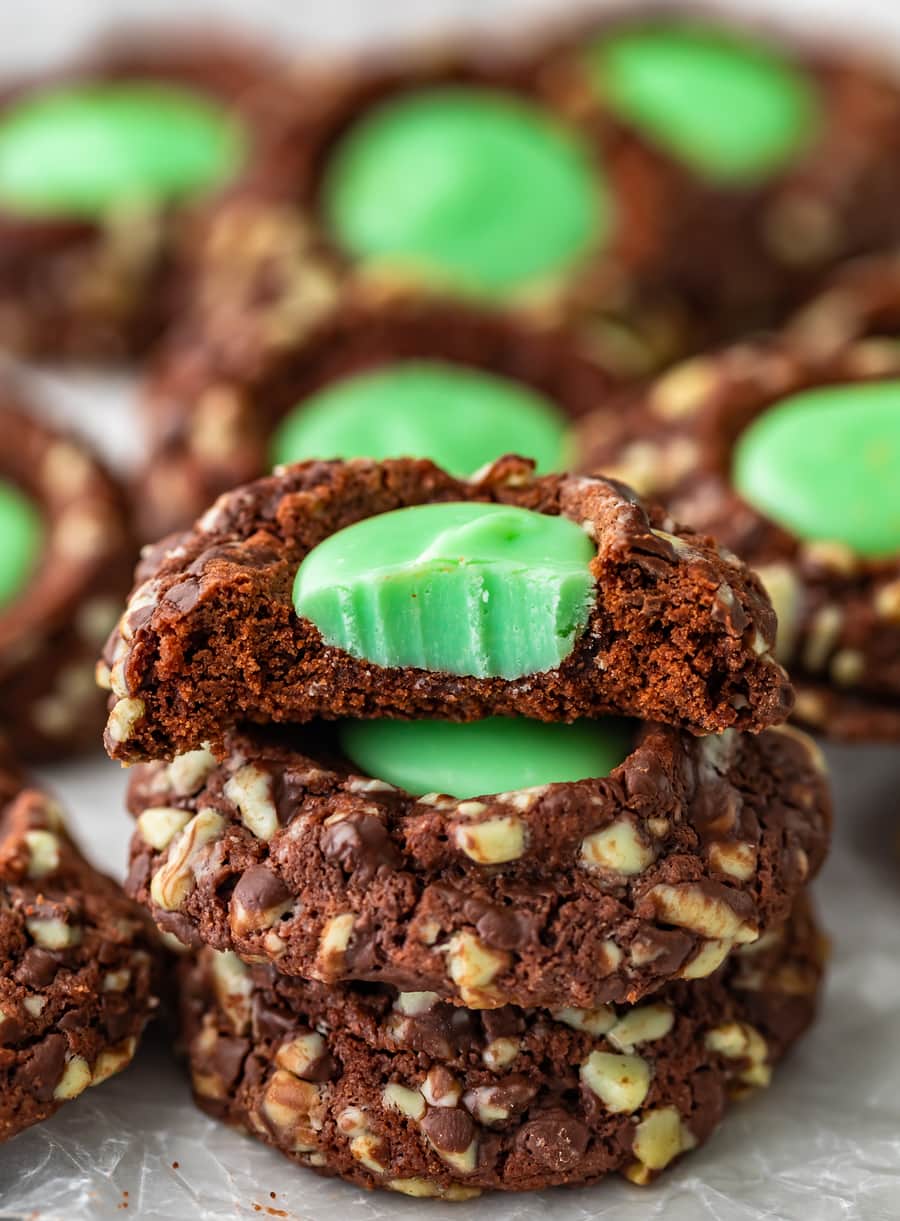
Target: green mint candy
{"x":478,"y":589}
{"x":477,"y":189}
{"x":497,"y":755}
{"x":21,"y":536}
{"x":459,"y":417}
{"x":727,"y":106}
{"x":825,"y":464}
{"x":83,"y":150}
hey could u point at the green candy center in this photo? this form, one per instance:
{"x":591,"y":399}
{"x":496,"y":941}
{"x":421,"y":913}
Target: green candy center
{"x":82,"y":150}
{"x":477,"y":189}
{"x":825,"y":464}
{"x":21,"y":536}
{"x":729,"y":107}
{"x":478,"y":589}
{"x":482,"y":758}
{"x":460,"y":418}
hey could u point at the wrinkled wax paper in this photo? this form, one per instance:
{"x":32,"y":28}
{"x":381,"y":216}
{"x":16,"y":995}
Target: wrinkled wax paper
{"x":821,"y":1144}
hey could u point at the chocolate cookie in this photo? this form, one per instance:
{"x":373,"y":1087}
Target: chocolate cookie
{"x":410,"y":376}
{"x":788,"y":451}
{"x":603,"y":178}
{"x":643,"y":618}
{"x":403,"y":1092}
{"x":78,"y":963}
{"x":66,"y":561}
{"x":92,"y":219}
{"x":573,"y":893}
{"x":521,"y":216}
{"x":745,"y":151}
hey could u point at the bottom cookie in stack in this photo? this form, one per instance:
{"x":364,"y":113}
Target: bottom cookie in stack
{"x":403,"y":1091}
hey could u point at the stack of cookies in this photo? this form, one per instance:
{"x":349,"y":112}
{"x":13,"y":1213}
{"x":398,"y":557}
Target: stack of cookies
{"x":473,"y":803}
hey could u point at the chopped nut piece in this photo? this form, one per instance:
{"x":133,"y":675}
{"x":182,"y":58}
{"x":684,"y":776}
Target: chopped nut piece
{"x":293,"y":1107}
{"x":407,"y":1102}
{"x":334,"y":941}
{"x":233,"y":987}
{"x":172,"y":884}
{"x":76,"y":1078}
{"x":414,"y":1003}
{"x":591,"y":1021}
{"x":644,"y":1024}
{"x":158,"y":825}
{"x":689,"y":906}
{"x":493,"y":842}
{"x":51,"y":933}
{"x":423,"y":1190}
{"x":738,"y":860}
{"x":708,"y":959}
{"x":43,"y":853}
{"x":441,"y":1089}
{"x":124,"y":717}
{"x":300,"y":1054}
{"x":473,"y":967}
{"x":620,"y":1082}
{"x":112,"y":1060}
{"x":250,"y":789}
{"x":658,"y":1138}
{"x":500,"y":1053}
{"x":186,"y":773}
{"x":618,"y":848}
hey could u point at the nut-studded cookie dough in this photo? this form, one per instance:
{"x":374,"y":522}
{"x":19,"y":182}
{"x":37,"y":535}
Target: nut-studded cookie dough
{"x":788,"y":451}
{"x":676,"y":850}
{"x":378,"y":378}
{"x":66,"y":561}
{"x":101,"y":165}
{"x":78,"y":963}
{"x":592,"y":603}
{"x":403,"y":1092}
{"x":747,"y":153}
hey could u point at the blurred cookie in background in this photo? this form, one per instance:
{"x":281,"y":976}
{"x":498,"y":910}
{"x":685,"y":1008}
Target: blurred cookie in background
{"x":99,"y":164}
{"x":80,"y":963}
{"x":659,"y":183}
{"x":788,"y":450}
{"x":759,"y":160}
{"x":65,"y":563}
{"x":379,"y":377}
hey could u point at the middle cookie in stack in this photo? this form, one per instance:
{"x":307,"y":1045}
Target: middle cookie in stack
{"x":454,"y":911}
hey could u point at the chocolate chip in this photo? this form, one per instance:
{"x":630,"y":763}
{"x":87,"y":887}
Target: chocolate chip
{"x":449,"y":1129}
{"x":260,"y":889}
{"x":443,"y":1031}
{"x":555,"y":1140}
{"x":117,"y":1015}
{"x":179,"y":926}
{"x":11,"y":1029}
{"x":506,"y":930}
{"x":37,"y":968}
{"x":361,"y":845}
{"x":138,"y":878}
{"x":183,"y":596}
{"x":227,"y":1057}
{"x":40,"y":1073}
{"x":73,"y":1019}
{"x":502,"y":1023}
{"x":514,"y":1093}
{"x":268,"y":1021}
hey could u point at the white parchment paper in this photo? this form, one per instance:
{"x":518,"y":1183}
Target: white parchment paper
{"x":822,"y":1144}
